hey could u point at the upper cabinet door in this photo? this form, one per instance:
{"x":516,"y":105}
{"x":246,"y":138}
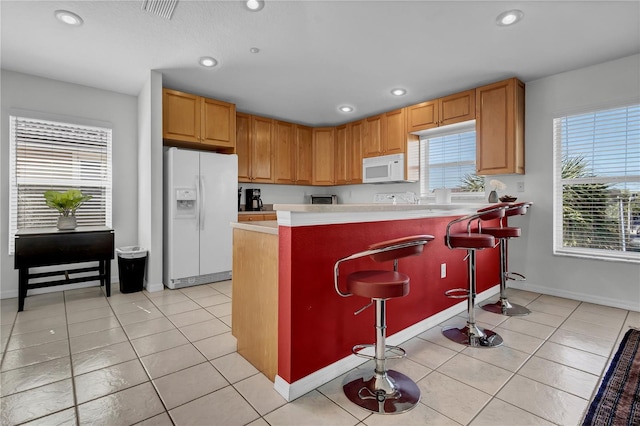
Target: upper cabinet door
{"x":500,"y":128}
{"x":284,"y":146}
{"x":262,"y":158}
{"x":342,"y":155}
{"x":374,"y":134}
{"x":303,"y":155}
{"x":422,"y":116}
{"x":395,"y":141}
{"x":457,"y":108}
{"x":243,"y":146}
{"x":356,"y":132}
{"x":180,"y":116}
{"x":218,"y":123}
{"x":323,"y":156}
{"x":440,"y":112}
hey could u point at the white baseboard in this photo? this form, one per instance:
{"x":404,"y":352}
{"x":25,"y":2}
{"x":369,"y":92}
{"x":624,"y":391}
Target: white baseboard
{"x":291,"y":391}
{"x":151,"y":287}
{"x":630,"y":305}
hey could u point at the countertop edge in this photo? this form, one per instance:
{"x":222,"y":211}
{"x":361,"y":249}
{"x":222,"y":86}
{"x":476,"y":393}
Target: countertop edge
{"x":265,"y":226}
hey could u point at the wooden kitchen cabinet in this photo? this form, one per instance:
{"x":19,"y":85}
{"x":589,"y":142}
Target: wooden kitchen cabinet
{"x":323,"y":156}
{"x":254,"y":146}
{"x":374,"y":132}
{"x":193,"y":119}
{"x":348,"y":155}
{"x":254,"y":301}
{"x":293,"y":148}
{"x":385,"y":134}
{"x":256,"y":217}
{"x":395,"y":140}
{"x":218,"y":123}
{"x":285,"y":151}
{"x":180,"y":116}
{"x":303,"y":155}
{"x":356,"y":131}
{"x":500,"y":128}
{"x":262,"y":152}
{"x":450,"y":109}
{"x":243,"y":146}
{"x":342,"y":155}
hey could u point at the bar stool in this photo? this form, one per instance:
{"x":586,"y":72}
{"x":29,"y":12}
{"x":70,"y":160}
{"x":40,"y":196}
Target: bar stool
{"x":471,"y":334}
{"x":381,"y":391}
{"x":503,"y":233}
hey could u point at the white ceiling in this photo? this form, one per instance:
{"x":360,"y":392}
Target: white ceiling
{"x":315,"y":55}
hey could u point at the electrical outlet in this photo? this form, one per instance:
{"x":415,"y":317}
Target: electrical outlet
{"x":520,"y":186}
{"x":443,"y":270}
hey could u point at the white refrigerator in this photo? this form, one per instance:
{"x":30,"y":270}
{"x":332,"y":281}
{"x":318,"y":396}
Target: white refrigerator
{"x":200,"y":202}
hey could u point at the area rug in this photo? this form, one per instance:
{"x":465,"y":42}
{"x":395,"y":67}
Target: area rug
{"x":618,"y":399}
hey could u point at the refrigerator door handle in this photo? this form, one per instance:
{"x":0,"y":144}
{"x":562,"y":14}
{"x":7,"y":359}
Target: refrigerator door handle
{"x":202,"y":205}
{"x":198,"y":202}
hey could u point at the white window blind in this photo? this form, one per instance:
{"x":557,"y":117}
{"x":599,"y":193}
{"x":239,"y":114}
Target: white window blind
{"x":47,"y":155}
{"x":597,"y":184}
{"x":448,"y":160}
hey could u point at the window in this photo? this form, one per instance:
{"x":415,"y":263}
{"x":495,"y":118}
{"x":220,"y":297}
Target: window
{"x":448,"y":160}
{"x":47,"y":155}
{"x":597,"y":184}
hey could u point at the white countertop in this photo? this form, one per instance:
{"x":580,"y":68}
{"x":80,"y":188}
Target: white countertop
{"x":378,"y":207}
{"x":327,"y":214}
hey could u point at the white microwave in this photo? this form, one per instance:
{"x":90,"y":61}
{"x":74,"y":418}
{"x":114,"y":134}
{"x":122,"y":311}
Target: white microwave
{"x":383,"y":169}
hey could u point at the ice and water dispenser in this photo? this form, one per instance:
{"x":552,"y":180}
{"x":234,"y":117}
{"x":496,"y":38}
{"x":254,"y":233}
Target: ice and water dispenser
{"x":186,"y":203}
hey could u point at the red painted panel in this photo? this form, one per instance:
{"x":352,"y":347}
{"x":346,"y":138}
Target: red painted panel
{"x":317,"y":326}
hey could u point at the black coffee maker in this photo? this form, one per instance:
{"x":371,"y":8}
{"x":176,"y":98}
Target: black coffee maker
{"x":252,"y":201}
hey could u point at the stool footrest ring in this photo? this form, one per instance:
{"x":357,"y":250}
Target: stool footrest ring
{"x":514,"y":276}
{"x":457,"y":293}
{"x":402,"y":353}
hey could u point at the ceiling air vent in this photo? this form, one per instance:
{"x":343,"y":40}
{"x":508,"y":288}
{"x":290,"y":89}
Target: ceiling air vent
{"x":162,"y":8}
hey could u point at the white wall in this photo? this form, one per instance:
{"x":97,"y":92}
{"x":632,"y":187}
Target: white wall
{"x":32,"y":93}
{"x":150,"y":178}
{"x":606,"y":282}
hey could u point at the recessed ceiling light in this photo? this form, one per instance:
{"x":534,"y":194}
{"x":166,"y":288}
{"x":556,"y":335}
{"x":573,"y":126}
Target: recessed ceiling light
{"x":254,"y":50}
{"x":509,"y":17}
{"x":68,"y":18}
{"x":346,"y":108}
{"x":255,"y":5}
{"x":208,"y":61}
{"x":398,"y":92}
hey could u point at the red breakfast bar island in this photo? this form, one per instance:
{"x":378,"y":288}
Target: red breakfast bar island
{"x":286,"y":315}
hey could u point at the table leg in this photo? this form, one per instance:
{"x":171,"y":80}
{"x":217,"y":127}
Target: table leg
{"x":23,"y":280}
{"x":107,"y":276}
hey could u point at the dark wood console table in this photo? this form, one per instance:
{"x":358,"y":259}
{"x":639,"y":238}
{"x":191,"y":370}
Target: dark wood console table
{"x":50,"y":246}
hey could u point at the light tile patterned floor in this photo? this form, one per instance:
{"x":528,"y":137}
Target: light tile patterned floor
{"x":76,"y":357}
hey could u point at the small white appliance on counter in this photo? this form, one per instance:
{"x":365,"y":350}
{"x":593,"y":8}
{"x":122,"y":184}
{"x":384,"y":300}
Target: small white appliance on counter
{"x":383,"y":169}
{"x":200,"y":202}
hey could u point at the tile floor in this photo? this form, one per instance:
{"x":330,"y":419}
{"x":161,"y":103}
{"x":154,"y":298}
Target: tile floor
{"x":76,"y":357}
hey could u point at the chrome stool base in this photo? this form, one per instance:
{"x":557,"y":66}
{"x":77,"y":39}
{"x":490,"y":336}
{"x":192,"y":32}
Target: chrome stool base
{"x":504,"y":307}
{"x":383,"y":393}
{"x":478,"y":338}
